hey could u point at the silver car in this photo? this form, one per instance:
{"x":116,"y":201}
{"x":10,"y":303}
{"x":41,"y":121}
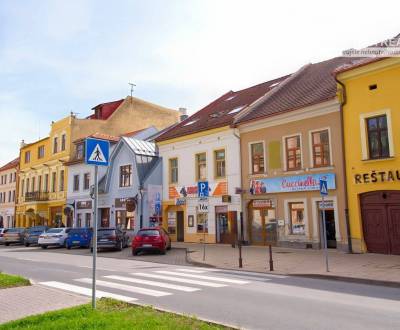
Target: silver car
{"x":53,"y":237}
{"x":2,"y":231}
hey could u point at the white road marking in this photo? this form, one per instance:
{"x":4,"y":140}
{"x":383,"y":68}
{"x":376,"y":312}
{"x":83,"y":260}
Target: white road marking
{"x":191,"y":271}
{"x":153,"y":283}
{"x":86,"y":291}
{"x":182,"y":280}
{"x":125,"y":287}
{"x":202,"y":277}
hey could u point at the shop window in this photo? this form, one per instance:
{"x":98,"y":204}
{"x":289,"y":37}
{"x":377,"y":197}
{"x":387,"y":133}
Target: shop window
{"x":125,"y":176}
{"x":124,"y":219}
{"x":88,"y":218}
{"x":297,"y":222}
{"x":173,"y":170}
{"x":293,"y":153}
{"x":378,"y":139}
{"x":86,"y":181}
{"x":27,"y":157}
{"x":202,"y":223}
{"x":76,"y":182}
{"x":201,"y":166}
{"x":172,"y":223}
{"x":257,"y":158}
{"x":320,"y":148}
{"x":40,"y":152}
{"x":219,"y":156}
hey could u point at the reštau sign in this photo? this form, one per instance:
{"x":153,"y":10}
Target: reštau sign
{"x":296,"y":183}
{"x":377,"y":176}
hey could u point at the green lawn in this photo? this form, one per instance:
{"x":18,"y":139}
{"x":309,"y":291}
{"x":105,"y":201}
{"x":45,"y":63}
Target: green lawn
{"x":110,"y":314}
{"x":9,"y":281}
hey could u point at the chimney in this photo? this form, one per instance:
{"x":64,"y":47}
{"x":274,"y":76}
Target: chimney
{"x":183,"y":114}
{"x":23,"y":144}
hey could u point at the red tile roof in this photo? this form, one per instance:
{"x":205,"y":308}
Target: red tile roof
{"x":129,"y":134}
{"x":312,"y":84}
{"x":14,"y":163}
{"x":101,"y":136}
{"x":105,"y":110}
{"x":220,"y":112}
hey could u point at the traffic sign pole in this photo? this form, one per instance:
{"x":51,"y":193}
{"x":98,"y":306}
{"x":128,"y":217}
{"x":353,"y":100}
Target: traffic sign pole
{"x":325,"y":234}
{"x":94,"y":240}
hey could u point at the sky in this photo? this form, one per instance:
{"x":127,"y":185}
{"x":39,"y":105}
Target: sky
{"x":63,"y":56}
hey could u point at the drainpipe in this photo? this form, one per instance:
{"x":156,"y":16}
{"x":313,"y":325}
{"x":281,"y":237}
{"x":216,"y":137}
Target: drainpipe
{"x":346,"y":207}
{"x":241,"y":185}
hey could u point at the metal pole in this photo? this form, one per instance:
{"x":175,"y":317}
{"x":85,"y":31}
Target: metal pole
{"x":94,"y":245}
{"x":325,"y":234}
{"x":204,"y":239}
{"x":141,"y":207}
{"x":271,"y":261}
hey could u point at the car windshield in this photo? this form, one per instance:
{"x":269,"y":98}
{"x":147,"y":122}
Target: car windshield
{"x":37,"y":229}
{"x":55,"y":230}
{"x":150,"y":232}
{"x":78,"y":231}
{"x":14,"y":230}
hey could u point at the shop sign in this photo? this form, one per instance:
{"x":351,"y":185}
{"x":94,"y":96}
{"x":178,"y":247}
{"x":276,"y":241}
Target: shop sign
{"x":202,"y":207}
{"x":84,"y":205}
{"x":226,"y":199}
{"x":180,"y":201}
{"x":214,"y":189}
{"x":327,"y":205}
{"x":121,"y":202}
{"x":377,"y":176}
{"x":263,"y":203}
{"x":296,"y":183}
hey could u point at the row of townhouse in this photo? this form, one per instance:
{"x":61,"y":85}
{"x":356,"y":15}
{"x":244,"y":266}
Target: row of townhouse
{"x":264,"y":149}
{"x":8,"y":186}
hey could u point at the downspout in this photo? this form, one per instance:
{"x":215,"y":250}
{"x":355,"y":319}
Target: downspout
{"x":343,"y":102}
{"x":241,"y":185}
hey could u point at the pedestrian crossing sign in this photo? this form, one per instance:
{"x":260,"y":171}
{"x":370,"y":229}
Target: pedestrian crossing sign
{"x":323,"y":187}
{"x":97,"y":152}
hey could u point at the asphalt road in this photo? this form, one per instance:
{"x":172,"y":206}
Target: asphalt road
{"x":244,"y":300}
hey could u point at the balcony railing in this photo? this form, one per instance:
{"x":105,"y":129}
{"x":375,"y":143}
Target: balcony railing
{"x":36,"y":196}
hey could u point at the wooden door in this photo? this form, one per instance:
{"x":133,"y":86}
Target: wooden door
{"x":105,"y":217}
{"x":394,"y":228}
{"x":180,"y":227}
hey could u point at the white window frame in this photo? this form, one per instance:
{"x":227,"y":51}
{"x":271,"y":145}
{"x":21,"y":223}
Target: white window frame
{"x":310,"y":141}
{"x":284,"y":152}
{"x":315,"y":217}
{"x":286,"y":203}
{"x":251,"y":157}
{"x":364,"y":136}
{"x":119,"y":176}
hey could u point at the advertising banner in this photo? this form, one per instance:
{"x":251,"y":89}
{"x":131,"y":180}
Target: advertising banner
{"x":155,"y":198}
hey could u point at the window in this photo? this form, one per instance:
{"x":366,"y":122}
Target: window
{"x":46,"y":183}
{"x":22,"y":187}
{"x":79,"y":220}
{"x":39,"y":183}
{"x":13,"y":196}
{"x":55,"y":145}
{"x":201,"y":166}
{"x":10,"y":178}
{"x":257,"y":158}
{"x":27,"y":185}
{"x":320,"y":148}
{"x":378,"y":139}
{"x":87,"y":219}
{"x":33,"y":184}
{"x":202,"y":223}
{"x":296,"y":214}
{"x":173,"y":170}
{"x":125,"y":175}
{"x":53,"y":181}
{"x":86,"y":181}
{"x":27,"y":157}
{"x":9,"y":196}
{"x":293,"y":153}
{"x":80,"y":150}
{"x":219,"y":163}
{"x":62,"y":180}
{"x":63,"y":142}
{"x":40,"y":152}
{"x":76,"y":182}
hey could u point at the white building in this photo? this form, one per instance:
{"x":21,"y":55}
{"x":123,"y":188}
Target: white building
{"x":8,"y":178}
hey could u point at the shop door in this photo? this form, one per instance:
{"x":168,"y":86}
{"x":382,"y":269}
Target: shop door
{"x":330,"y":228}
{"x":227,"y":227}
{"x":180,"y":227}
{"x":260,"y":224}
{"x":381,"y":221}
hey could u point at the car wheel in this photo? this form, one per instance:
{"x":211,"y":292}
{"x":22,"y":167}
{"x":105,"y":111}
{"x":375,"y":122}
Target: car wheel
{"x":69,"y":247}
{"x":7,"y":244}
{"x":43,"y":246}
{"x":120,"y":246}
{"x":27,"y":244}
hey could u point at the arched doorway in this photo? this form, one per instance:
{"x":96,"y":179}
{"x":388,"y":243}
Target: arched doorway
{"x":380,"y":212}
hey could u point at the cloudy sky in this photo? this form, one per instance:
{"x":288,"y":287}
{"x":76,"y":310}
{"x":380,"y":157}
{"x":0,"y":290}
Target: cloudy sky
{"x":62,"y":56}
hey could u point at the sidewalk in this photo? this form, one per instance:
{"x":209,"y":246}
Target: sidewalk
{"x":361,"y":267}
{"x":16,"y":303}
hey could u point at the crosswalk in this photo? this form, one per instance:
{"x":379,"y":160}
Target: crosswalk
{"x":155,"y":283}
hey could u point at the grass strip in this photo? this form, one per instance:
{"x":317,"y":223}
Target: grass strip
{"x":10,"y":281}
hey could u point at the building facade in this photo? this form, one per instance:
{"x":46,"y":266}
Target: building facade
{"x":8,"y":193}
{"x":371,"y":118}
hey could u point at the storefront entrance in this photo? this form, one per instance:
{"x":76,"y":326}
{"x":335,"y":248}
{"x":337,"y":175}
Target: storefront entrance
{"x":381,"y":221}
{"x":262,"y":216}
{"x":180,"y":226}
{"x":105,"y":217}
{"x":226,"y":225}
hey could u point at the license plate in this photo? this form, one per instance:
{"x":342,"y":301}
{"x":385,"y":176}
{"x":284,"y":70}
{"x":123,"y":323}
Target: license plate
{"x":147,"y":245}
{"x":75,"y":242}
{"x":103,"y":240}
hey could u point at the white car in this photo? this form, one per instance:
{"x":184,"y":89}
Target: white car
{"x":53,"y":237}
{"x":2,"y":231}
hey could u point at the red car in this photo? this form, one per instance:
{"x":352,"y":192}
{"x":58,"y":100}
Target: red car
{"x":151,"y":239}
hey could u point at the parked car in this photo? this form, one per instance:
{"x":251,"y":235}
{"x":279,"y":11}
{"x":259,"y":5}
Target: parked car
{"x":53,"y":237}
{"x":33,"y":233}
{"x":79,"y":237}
{"x":2,"y":232}
{"x":111,"y":238}
{"x":14,"y":236}
{"x":151,"y":239}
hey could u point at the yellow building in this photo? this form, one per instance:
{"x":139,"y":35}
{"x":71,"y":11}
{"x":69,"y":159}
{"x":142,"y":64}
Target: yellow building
{"x":42,"y":198}
{"x":371,"y":119}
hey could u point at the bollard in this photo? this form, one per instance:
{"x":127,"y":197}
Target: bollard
{"x":240,"y":254}
{"x":271,"y":262}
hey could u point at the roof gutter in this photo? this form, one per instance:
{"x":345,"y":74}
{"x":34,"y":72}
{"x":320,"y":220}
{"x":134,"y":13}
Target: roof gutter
{"x":343,"y":102}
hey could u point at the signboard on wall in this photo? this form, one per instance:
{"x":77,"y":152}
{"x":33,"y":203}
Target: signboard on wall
{"x":155,"y":198}
{"x":309,"y":182}
{"x":215,"y":189}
